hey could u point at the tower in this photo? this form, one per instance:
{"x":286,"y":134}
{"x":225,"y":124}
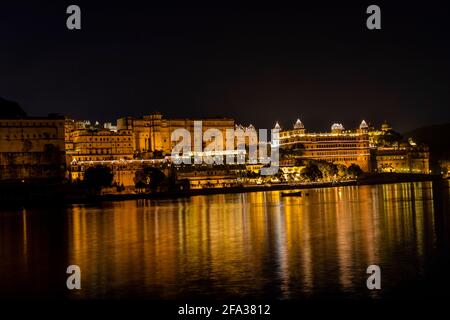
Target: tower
{"x":299,"y":127}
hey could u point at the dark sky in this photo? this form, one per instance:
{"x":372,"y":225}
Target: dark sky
{"x":257,"y":64}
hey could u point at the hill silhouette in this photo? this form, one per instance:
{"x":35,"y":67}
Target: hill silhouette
{"x":437,"y":137}
{"x":11,"y":110}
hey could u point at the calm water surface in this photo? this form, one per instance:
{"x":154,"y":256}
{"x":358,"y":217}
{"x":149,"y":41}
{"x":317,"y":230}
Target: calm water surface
{"x":251,"y":245}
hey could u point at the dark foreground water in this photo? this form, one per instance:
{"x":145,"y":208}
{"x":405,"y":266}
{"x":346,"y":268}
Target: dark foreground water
{"x":251,"y":245}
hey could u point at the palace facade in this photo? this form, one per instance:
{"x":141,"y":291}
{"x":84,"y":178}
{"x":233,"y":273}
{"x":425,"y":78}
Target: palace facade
{"x":31,"y":148}
{"x":338,"y":146}
{"x":128,"y":146}
{"x":94,"y":143}
{"x":151,"y":134}
{"x":53,"y":147}
{"x":371,"y":149}
{"x":391,"y":154}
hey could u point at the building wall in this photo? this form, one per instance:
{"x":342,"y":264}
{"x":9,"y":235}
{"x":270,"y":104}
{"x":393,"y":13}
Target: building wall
{"x":124,"y":171}
{"x":153,"y":132}
{"x":202,"y":179}
{"x":123,"y":175}
{"x":402,"y":159}
{"x":373,"y":150}
{"x":99,"y":145}
{"x":32,"y":148}
{"x":445,"y":168}
{"x":337,"y":147}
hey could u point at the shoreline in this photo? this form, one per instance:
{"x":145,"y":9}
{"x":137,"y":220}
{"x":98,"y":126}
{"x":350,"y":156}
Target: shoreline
{"x":372,"y":180}
{"x":60,"y":195}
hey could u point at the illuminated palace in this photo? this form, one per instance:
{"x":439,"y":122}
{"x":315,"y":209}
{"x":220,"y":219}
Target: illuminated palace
{"x":338,"y":146}
{"x":372,"y":150}
{"x":130,"y":145}
{"x":86,"y":142}
{"x":135,"y":142}
{"x":53,"y":148}
{"x":152,"y":133}
{"x":391,"y":154}
{"x":31,"y":148}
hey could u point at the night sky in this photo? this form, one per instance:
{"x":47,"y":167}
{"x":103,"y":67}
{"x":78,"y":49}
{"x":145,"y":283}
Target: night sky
{"x":257,"y":64}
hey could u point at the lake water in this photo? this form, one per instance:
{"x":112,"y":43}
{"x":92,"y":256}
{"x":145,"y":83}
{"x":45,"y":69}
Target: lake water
{"x":249,"y":245}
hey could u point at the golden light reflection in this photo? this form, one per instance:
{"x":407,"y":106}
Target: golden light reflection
{"x":245,"y":244}
{"x":25,"y":236}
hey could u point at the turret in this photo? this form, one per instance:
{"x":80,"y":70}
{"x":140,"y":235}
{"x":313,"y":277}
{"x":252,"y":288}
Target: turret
{"x":337,"y":128}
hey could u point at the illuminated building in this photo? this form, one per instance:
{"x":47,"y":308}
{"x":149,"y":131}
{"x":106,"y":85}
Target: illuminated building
{"x":445,"y":168}
{"x":372,"y":150}
{"x":151,"y":135}
{"x":92,"y":144}
{"x":31,"y":148}
{"x":202,"y":178}
{"x":402,"y":158}
{"x":132,"y":144}
{"x":391,"y":154}
{"x":338,"y":146}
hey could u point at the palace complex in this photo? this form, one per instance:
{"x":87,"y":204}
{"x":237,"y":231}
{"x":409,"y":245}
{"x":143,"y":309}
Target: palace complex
{"x":55,"y":147}
{"x":371,"y":149}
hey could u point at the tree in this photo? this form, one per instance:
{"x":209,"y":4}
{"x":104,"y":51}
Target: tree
{"x":342,"y":171}
{"x":98,"y":177}
{"x":149,"y":177}
{"x":293,"y":151}
{"x":354,"y":170}
{"x":311,"y":172}
{"x":328,"y":169}
{"x":389,"y":138}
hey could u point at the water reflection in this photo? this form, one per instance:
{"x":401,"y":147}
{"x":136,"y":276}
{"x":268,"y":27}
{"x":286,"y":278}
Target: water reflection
{"x":258,"y":245}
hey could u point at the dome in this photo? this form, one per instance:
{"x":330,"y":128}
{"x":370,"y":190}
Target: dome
{"x":385,"y":126}
{"x":337,"y":127}
{"x":251,"y":127}
{"x":298,"y":125}
{"x":363,"y":125}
